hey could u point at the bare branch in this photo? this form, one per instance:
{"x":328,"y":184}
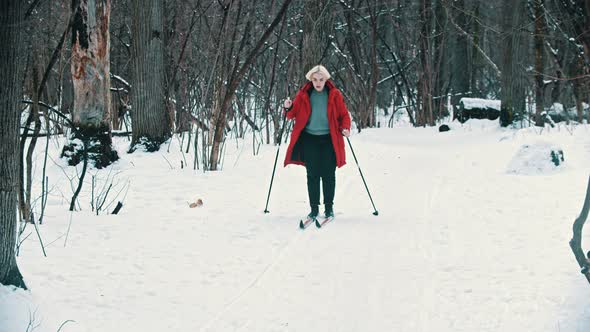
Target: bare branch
{"x":576,"y":241}
{"x":64,"y":323}
{"x":470,"y":38}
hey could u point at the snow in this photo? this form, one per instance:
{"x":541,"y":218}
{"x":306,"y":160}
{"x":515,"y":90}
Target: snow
{"x":471,"y":103}
{"x":122,"y":80}
{"x":556,"y":107}
{"x":467,"y":239}
{"x":557,"y":110}
{"x":536,"y":159}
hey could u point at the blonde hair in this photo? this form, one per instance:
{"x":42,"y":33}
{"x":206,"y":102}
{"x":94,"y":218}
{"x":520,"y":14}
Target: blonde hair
{"x":318,"y":69}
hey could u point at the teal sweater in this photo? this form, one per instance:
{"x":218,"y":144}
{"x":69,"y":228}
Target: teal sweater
{"x":318,"y":120}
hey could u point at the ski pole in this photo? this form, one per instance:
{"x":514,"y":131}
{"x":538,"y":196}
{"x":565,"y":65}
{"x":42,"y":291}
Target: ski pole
{"x":376,"y":213}
{"x":276,"y":158}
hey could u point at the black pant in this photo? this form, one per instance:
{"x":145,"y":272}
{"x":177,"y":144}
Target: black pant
{"x":320,"y":163}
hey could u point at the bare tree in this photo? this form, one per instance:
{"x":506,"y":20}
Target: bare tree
{"x":317,"y":27}
{"x":234,"y":72}
{"x":460,"y":58}
{"x":151,"y":120}
{"x":11,"y":69}
{"x":409,"y":52}
{"x":357,"y":54}
{"x":425,"y":68}
{"x":576,"y":241}
{"x":90,"y":66}
{"x":476,"y":87}
{"x":540,"y":31}
{"x":568,"y":44}
{"x":120,"y":63}
{"x":439,"y":60}
{"x":579,"y":12}
{"x":512,"y":88}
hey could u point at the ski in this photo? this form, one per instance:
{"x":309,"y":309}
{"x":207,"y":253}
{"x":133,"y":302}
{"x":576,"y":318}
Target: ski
{"x":306,"y":222}
{"x":320,"y":223}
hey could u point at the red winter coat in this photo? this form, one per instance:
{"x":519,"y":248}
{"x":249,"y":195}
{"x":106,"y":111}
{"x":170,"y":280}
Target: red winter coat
{"x":338,"y":119}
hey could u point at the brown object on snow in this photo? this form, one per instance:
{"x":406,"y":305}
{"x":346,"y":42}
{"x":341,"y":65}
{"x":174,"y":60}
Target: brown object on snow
{"x":198,"y":203}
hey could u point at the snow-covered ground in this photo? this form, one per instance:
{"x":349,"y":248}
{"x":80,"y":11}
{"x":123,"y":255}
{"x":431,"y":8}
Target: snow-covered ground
{"x":472,"y":235}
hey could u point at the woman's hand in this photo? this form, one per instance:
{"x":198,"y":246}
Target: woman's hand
{"x":288,"y":103}
{"x":346,"y":132}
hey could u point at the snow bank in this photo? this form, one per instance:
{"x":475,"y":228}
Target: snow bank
{"x":537,"y":159}
{"x":17,"y":310}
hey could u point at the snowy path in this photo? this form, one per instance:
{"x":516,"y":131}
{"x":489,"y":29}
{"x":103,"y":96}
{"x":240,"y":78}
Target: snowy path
{"x":459,"y":245}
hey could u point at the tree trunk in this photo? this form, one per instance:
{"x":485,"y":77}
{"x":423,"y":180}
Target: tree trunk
{"x":558,"y":59}
{"x":317,"y":25}
{"x":11,"y":70}
{"x":91,"y":79}
{"x":460,"y":59}
{"x":586,"y":33}
{"x":475,"y":85}
{"x":511,"y":73}
{"x":150,"y":118}
{"x":232,"y":20}
{"x":581,"y":84}
{"x":439,"y":61}
{"x":67,"y":96}
{"x":579,"y":17}
{"x":507,"y":108}
{"x":425,"y":82}
{"x":178,"y":49}
{"x":540,"y":30}
{"x":370,"y":120}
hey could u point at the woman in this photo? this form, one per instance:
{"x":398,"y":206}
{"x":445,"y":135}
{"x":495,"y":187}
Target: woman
{"x":321,"y":119}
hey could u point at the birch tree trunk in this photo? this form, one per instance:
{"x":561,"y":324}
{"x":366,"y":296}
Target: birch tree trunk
{"x":11,"y":70}
{"x":90,"y":66}
{"x":151,"y":123}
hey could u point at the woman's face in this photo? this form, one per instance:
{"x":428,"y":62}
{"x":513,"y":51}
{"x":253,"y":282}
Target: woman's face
{"x":318,"y":81}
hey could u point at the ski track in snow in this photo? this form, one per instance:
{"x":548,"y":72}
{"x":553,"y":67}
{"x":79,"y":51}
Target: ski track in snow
{"x":459,"y":244}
